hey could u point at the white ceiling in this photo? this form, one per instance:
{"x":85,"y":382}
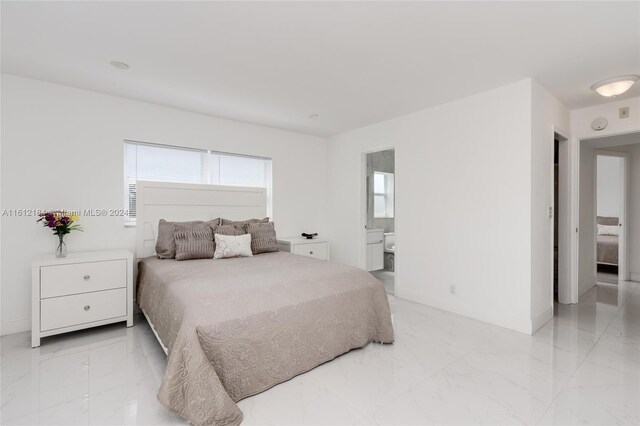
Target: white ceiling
{"x":354,"y":63}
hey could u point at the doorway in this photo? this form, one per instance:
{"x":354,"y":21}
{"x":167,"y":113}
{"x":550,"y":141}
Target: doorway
{"x":556,"y":217}
{"x":608,"y":210}
{"x":610,"y":204}
{"x":380,"y":216}
{"x":563,"y":237}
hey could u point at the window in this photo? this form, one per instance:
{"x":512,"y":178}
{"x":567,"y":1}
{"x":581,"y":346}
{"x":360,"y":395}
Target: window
{"x":145,"y":161}
{"x":383,"y":195}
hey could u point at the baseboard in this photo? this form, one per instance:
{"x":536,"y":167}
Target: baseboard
{"x":523,"y":325}
{"x":541,"y":320}
{"x":635,"y":276}
{"x":15,"y":326}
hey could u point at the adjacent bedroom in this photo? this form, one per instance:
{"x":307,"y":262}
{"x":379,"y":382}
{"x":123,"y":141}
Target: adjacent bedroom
{"x":609,"y":201}
{"x":329,"y":213}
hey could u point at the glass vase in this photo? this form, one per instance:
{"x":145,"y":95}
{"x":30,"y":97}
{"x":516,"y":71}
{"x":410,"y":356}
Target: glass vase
{"x":61,"y":246}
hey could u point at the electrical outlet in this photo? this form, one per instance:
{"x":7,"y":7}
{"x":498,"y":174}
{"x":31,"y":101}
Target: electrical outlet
{"x":452,"y":289}
{"x":624,"y":112}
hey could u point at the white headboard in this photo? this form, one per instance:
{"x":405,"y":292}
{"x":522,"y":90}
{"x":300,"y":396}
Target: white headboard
{"x":184,"y":202}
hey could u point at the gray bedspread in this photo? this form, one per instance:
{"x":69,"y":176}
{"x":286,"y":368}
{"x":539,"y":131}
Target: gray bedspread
{"x":236,"y":327}
{"x":607,"y":249}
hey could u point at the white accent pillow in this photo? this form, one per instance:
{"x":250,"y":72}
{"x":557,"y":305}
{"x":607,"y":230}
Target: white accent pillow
{"x":232,"y":246}
{"x":608,"y":230}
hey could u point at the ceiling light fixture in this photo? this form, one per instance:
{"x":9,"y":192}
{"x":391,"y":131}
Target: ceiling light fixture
{"x":314,"y":116}
{"x":615,"y":86}
{"x":119,"y":65}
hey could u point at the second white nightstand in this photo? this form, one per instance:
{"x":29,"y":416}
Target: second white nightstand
{"x":80,"y":291}
{"x":317,"y":248}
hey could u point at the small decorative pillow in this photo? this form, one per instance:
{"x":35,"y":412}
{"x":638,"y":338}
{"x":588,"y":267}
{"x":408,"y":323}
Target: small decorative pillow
{"x":263,"y":237}
{"x":243,"y":222}
{"x":193,"y":241}
{"x":608,"y":230}
{"x":232,"y":246}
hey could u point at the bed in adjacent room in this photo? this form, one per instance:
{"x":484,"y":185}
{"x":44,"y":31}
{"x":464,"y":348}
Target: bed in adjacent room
{"x":607,"y":240}
{"x":238,"y":326}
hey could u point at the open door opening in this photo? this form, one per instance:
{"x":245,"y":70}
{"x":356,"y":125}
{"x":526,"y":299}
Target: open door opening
{"x":556,"y":194}
{"x":610,"y":220}
{"x":379,"y":216}
{"x":608,"y":212}
{"x":563,"y":231}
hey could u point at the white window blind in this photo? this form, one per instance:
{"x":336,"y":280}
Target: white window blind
{"x":383,"y":195}
{"x":145,"y":161}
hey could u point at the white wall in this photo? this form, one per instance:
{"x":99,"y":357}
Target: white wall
{"x":548,"y":117}
{"x":608,"y":185}
{"x":581,"y":118}
{"x":463,"y":203}
{"x":587,"y":213}
{"x":62,"y":148}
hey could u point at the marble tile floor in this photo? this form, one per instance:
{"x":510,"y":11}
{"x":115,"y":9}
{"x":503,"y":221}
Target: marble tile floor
{"x":583,"y":367}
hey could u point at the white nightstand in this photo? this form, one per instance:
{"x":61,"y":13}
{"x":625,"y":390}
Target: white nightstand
{"x":317,"y":248}
{"x":80,"y":291}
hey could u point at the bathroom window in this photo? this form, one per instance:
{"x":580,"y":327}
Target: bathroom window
{"x":383,"y":195}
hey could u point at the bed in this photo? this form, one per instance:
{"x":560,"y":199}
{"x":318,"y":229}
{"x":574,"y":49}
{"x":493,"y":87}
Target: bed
{"x":607,"y":241}
{"x":236,"y":327}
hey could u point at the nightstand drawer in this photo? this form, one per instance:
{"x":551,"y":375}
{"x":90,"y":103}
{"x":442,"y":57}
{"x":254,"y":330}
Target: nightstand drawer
{"x":78,"y":309}
{"x":315,"y":250}
{"x":62,"y":280}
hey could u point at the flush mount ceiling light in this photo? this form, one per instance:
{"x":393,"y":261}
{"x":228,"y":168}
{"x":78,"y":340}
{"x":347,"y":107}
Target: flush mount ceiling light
{"x":615,"y":86}
{"x":314,"y":116}
{"x":119,"y":65}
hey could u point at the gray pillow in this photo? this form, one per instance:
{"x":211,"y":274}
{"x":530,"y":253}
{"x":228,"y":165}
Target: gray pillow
{"x":243,"y":222}
{"x":165,"y":244}
{"x":263,"y":237}
{"x":193,"y":241}
{"x":608,"y":221}
{"x":231,"y":229}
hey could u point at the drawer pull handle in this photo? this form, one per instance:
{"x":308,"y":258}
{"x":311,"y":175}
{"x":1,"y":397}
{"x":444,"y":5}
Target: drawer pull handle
{"x":87,"y":277}
{"x":87,"y":307}
{"x":311,"y":252}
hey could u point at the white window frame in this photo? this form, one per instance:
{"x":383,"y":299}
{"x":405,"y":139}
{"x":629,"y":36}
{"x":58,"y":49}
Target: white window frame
{"x":206,"y":177}
{"x":388,"y":194}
